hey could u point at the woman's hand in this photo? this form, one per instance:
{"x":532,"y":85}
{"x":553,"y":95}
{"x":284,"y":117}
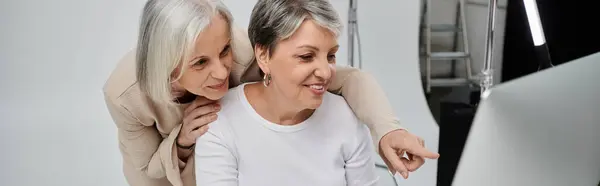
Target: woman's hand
{"x":393,"y":146}
{"x":195,"y":119}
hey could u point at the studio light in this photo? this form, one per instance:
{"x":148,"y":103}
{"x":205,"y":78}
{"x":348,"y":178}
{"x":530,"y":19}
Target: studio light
{"x":537,"y":34}
{"x":535,"y":25}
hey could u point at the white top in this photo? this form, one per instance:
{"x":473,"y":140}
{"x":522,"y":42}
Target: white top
{"x":331,"y":148}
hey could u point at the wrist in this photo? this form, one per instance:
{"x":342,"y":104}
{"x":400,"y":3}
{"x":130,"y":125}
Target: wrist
{"x":184,"y":153}
{"x":390,"y":133}
{"x":182,"y":146}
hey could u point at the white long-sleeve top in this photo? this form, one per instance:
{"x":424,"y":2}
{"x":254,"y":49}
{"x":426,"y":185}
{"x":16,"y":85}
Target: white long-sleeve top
{"x":241,"y":148}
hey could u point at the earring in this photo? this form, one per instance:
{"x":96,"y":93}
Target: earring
{"x":266,"y":80}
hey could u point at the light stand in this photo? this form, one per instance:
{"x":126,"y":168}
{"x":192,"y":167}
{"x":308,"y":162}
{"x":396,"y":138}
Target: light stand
{"x":487,"y":73}
{"x":537,"y":33}
{"x":352,"y":31}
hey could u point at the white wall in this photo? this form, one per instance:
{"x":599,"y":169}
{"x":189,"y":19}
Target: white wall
{"x":56,"y":55}
{"x":54,"y":58}
{"x":389,"y":32}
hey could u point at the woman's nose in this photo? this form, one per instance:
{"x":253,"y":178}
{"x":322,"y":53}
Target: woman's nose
{"x":323,"y":70}
{"x":220,"y":71}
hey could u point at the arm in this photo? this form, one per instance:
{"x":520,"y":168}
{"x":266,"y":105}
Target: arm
{"x":216,"y":164}
{"x":146,"y":149}
{"x":367,"y":99}
{"x":360,"y":166}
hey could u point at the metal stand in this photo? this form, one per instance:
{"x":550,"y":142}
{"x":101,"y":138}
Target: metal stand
{"x":487,"y":72}
{"x":353,"y":33}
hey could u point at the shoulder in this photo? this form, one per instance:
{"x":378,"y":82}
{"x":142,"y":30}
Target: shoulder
{"x":353,"y":131}
{"x":221,"y":129}
{"x":231,"y":98}
{"x":123,"y":77}
{"x":123,"y":95}
{"x":231,"y":104}
{"x":336,"y":105}
{"x":341,"y":119}
{"x":338,"y":114}
{"x":234,"y":109}
{"x":339,"y":108}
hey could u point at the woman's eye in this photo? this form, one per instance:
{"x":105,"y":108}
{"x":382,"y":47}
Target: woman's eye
{"x":306,"y":57}
{"x":200,"y":62}
{"x":331,"y":57}
{"x":225,"y":51}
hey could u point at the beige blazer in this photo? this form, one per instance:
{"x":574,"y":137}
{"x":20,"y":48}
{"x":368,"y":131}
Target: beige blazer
{"x":147,"y":130}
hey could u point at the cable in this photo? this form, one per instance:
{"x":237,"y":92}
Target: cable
{"x":378,"y":165}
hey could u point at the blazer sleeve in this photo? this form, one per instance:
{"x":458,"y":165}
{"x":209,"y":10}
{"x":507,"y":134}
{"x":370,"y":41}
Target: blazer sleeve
{"x":146,"y":149}
{"x":367,"y":100}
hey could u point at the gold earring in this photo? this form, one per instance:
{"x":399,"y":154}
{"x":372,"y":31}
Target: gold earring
{"x":266,"y":80}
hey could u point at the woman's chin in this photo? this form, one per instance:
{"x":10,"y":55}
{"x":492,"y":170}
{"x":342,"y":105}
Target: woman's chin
{"x":314,"y":103}
{"x":215,"y":96}
{"x":212,"y":95}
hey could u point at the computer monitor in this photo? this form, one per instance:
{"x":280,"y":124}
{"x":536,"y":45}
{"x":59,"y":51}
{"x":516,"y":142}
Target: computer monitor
{"x":541,"y":129}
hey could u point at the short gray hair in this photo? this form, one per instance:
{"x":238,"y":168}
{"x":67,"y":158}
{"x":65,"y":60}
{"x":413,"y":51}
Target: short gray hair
{"x":168,"y":31}
{"x":275,"y":20}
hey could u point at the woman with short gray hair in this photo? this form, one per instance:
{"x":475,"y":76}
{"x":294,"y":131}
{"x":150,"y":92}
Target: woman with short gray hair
{"x":163,"y":94}
{"x":288,"y":130}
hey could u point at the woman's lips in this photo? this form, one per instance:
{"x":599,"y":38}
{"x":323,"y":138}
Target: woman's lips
{"x":317,"y":89}
{"x":219,"y":86}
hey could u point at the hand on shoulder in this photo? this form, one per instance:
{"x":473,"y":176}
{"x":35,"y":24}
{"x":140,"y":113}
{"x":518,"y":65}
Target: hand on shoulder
{"x":196,"y":118}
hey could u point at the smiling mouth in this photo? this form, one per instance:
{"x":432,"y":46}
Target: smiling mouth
{"x":318,"y":87}
{"x":218,"y":86}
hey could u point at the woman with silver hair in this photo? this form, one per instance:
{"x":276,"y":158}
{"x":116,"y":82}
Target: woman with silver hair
{"x":189,"y":52}
{"x":288,"y":130}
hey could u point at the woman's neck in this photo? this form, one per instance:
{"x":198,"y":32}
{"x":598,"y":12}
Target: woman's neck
{"x":272,"y":106}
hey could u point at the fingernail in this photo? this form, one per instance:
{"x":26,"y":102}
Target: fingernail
{"x":217,"y":107}
{"x":401,"y":174}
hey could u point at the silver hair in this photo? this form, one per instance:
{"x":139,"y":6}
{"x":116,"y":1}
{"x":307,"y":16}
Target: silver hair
{"x":275,"y":20}
{"x":167,"y":33}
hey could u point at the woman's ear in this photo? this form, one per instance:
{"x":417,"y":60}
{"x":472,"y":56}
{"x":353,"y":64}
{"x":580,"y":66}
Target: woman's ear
{"x":262,"y":58}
